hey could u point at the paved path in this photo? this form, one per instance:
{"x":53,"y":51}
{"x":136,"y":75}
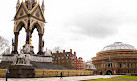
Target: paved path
{"x":76,"y":78}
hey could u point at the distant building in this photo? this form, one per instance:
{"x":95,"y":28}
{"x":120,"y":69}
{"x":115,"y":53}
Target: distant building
{"x":62,"y":58}
{"x":90,"y":66}
{"x":117,"y":58}
{"x":48,"y":52}
{"x":68,"y":60}
{"x":78,"y":63}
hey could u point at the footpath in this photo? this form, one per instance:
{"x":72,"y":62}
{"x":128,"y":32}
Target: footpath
{"x":73,"y":78}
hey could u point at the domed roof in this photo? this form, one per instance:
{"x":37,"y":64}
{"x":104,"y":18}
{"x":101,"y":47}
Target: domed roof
{"x":118,"y":45}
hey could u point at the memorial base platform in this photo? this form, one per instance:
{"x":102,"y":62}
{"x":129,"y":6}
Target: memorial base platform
{"x":20,"y":71}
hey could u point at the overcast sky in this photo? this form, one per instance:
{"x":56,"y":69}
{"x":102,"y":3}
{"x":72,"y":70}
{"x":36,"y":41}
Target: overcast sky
{"x":85,"y":26}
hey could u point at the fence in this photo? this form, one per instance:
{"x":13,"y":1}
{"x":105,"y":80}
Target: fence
{"x":2,"y":73}
{"x":55,"y":73}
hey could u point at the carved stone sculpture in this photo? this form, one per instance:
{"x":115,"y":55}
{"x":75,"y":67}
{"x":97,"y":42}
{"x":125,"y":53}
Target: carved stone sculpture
{"x":27,"y":49}
{"x":21,"y":59}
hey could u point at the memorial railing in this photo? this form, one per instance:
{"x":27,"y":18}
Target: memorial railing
{"x":53,"y":73}
{"x":2,"y":73}
{"x":57,"y":73}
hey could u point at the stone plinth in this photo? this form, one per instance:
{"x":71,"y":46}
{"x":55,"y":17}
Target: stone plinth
{"x":19,"y":71}
{"x":32,"y":58}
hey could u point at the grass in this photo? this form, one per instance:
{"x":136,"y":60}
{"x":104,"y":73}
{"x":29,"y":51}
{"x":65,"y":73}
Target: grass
{"x":105,"y":80}
{"x":128,"y":77}
{"x":120,"y":77}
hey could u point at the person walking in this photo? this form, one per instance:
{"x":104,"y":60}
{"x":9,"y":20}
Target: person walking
{"x":7,"y":74}
{"x":61,"y":75}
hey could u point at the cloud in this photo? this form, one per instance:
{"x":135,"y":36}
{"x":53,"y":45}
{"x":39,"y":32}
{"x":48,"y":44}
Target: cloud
{"x":99,"y":26}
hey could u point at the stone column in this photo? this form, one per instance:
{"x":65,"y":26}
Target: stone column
{"x":126,"y":65}
{"x":129,"y":65}
{"x":28,"y":37}
{"x":28,"y":33}
{"x":40,"y":45}
{"x":16,"y":43}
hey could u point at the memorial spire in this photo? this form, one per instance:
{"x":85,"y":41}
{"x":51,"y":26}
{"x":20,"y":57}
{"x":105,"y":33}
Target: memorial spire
{"x":18,"y":4}
{"x":43,"y":6}
{"x":29,"y":4}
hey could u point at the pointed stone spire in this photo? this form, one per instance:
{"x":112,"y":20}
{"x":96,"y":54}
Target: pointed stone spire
{"x":18,"y":4}
{"x":43,"y":6}
{"x":25,"y":0}
{"x":38,"y":2}
{"x":29,"y":4}
{"x":34,"y":0}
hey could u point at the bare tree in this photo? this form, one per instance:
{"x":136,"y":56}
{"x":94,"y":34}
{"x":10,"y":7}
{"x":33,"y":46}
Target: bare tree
{"x":57,"y":49}
{"x":4,"y":44}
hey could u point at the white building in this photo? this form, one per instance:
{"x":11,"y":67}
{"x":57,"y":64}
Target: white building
{"x":90,"y":66}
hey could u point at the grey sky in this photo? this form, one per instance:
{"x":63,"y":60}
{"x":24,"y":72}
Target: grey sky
{"x":85,"y":26}
{"x":95,"y":26}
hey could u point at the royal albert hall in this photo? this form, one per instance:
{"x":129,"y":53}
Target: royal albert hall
{"x":117,"y":58}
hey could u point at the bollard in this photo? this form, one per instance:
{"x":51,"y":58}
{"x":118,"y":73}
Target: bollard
{"x":7,"y":73}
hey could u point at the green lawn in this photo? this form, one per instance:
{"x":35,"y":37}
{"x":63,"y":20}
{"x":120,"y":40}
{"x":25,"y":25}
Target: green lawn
{"x":105,"y":80}
{"x":128,"y":77}
{"x":122,"y":77}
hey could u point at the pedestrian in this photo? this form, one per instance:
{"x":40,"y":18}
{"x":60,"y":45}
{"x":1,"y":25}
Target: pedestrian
{"x":7,"y":74}
{"x":61,"y":75}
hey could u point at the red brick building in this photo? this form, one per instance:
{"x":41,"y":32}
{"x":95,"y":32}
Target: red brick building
{"x":68,"y":60}
{"x":78,"y":63}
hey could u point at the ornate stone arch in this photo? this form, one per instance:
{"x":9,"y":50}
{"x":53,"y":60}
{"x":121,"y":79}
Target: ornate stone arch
{"x":109,"y":70}
{"x":39,"y":28}
{"x":19,"y":26}
{"x":36,"y":25}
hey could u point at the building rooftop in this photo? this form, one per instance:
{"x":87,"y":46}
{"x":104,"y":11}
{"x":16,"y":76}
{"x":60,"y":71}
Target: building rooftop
{"x":118,"y":45}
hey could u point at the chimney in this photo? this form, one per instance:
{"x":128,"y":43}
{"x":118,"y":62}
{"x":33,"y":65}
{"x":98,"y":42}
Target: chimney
{"x":63,"y":51}
{"x":71,"y":51}
{"x":76,"y":58}
{"x":74,"y":53}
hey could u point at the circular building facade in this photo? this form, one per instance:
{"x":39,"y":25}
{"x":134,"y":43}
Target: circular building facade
{"x":117,"y":58}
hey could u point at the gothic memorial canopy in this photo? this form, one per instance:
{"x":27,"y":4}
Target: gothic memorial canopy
{"x":29,"y":15}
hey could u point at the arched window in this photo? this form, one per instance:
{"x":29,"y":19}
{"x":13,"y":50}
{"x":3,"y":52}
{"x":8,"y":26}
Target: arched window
{"x":108,"y":64}
{"x":120,"y":65}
